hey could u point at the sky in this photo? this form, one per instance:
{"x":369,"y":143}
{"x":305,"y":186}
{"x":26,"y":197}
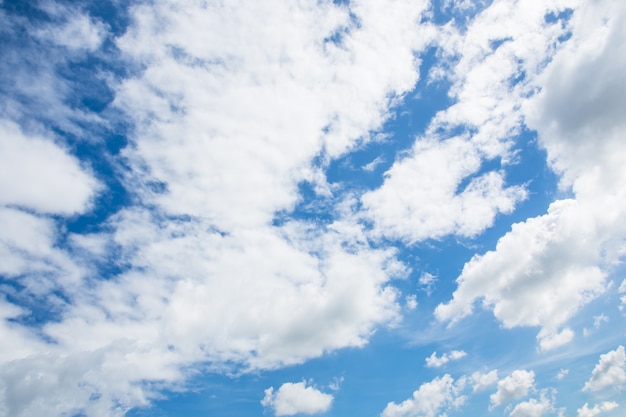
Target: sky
{"x":394,"y":208}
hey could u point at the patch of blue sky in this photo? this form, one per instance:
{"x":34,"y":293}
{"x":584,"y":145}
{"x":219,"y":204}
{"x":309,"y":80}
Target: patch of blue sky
{"x":460,"y":13}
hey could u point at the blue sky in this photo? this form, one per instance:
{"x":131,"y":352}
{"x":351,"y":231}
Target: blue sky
{"x":395,"y":208}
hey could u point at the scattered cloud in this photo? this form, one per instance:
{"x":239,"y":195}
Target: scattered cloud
{"x":532,"y":408}
{"x":481,"y":381}
{"x":427,"y":282}
{"x":514,"y":386}
{"x":212,"y":263}
{"x":434,"y":361}
{"x":429,"y":400}
{"x":609,"y":372}
{"x":585,"y":411}
{"x":296,"y":398}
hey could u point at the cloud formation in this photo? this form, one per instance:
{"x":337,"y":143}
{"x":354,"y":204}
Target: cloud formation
{"x":574,"y":245}
{"x":514,"y":386}
{"x":609,"y":372}
{"x":296,"y":398}
{"x":429,"y":400}
{"x":434,"y":361}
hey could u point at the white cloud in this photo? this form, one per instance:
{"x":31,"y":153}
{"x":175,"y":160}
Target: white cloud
{"x":227,"y":113}
{"x":39,"y":175}
{"x":532,"y":408}
{"x":585,"y":411}
{"x":429,"y":400}
{"x":433,"y":361}
{"x":411,"y":302}
{"x":573,"y":246}
{"x":513,"y":387}
{"x":482,"y":381}
{"x":296,"y":398}
{"x":39,"y":178}
{"x":537,"y":276}
{"x":371,"y":166}
{"x":77,"y":32}
{"x":437,"y":188}
{"x":562,"y":374}
{"x":421,"y":191}
{"x":609,"y":372}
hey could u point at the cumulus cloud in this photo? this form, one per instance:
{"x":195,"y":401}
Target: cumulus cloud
{"x":481,"y":381}
{"x":38,"y":179}
{"x":573,"y":246}
{"x":438,"y":187}
{"x":532,"y":408}
{"x":585,"y":411}
{"x":434,"y":361}
{"x":296,"y":398}
{"x":609,"y":372}
{"x":429,"y":400}
{"x":38,"y":174}
{"x":227,"y":114}
{"x":512,"y":387}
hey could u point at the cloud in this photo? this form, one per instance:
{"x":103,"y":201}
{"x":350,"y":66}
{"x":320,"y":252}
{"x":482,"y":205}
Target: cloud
{"x":371,"y":166}
{"x":435,"y":362}
{"x":585,"y":411}
{"x":573,"y":245}
{"x":609,"y":372}
{"x":562,"y":374}
{"x":512,"y":387}
{"x":532,"y":408}
{"x":432,"y":206}
{"x":431,"y":397}
{"x":37,"y":174}
{"x":296,"y":398}
{"x":226,"y":114}
{"x":39,"y":179}
{"x":482,"y":381}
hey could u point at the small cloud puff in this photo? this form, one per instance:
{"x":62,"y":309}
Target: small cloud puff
{"x":433,"y":361}
{"x":296,"y":398}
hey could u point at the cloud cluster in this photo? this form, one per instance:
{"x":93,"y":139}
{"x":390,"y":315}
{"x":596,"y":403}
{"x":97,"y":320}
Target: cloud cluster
{"x":227,"y":114}
{"x":574,"y":245}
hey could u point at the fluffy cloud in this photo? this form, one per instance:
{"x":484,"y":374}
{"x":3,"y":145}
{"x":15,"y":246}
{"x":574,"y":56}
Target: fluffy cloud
{"x":609,"y":372}
{"x":37,"y":174}
{"x":532,"y":408}
{"x":38,"y":179}
{"x":431,"y":398}
{"x":434,"y":361}
{"x":227,"y":113}
{"x":296,"y":398}
{"x":421,"y":191}
{"x":585,"y":411}
{"x":573,"y":246}
{"x":438,"y":188}
{"x":514,"y":386}
{"x":482,"y":381}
